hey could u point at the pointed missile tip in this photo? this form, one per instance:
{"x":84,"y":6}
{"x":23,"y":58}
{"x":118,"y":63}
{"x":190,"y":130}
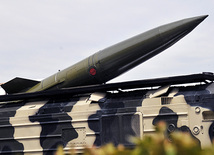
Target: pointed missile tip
{"x":201,"y":18}
{"x":194,"y":21}
{"x":205,"y":16}
{"x":198,"y":18}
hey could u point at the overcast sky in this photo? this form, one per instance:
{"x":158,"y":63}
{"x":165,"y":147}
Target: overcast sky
{"x":39,"y":37}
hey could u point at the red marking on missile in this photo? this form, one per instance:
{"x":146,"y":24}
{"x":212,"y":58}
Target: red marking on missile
{"x":92,"y":71}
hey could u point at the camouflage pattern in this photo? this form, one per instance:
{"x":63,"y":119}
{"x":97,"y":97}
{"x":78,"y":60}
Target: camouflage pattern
{"x":38,"y":126}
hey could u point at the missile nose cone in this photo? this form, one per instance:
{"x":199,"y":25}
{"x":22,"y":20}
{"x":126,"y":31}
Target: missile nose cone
{"x":179,"y":29}
{"x":194,"y":21}
{"x":197,"y":19}
{"x":125,"y":55}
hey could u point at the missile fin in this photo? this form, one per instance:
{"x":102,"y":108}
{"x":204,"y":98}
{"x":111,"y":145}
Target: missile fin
{"x":18,"y":85}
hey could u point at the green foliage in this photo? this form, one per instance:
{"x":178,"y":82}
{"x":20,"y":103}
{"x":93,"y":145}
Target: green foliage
{"x":156,"y":144}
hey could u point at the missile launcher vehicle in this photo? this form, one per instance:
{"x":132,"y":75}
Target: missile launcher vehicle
{"x":75,"y":107}
{"x":36,"y":123}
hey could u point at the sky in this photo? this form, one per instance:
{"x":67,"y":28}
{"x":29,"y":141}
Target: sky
{"x":40,"y":37}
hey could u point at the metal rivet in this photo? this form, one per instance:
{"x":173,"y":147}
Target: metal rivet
{"x":196,"y":130}
{"x":171,"y":127}
{"x":197,"y":110}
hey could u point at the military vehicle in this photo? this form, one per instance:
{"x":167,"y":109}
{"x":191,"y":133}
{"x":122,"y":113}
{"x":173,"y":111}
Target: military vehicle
{"x":75,"y":108}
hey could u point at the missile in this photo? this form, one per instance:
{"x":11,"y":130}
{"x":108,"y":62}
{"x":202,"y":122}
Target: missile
{"x":112,"y":61}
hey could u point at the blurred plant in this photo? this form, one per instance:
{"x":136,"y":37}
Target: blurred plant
{"x":180,"y":143}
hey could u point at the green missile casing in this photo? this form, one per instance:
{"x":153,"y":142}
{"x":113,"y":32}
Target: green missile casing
{"x":117,"y":59}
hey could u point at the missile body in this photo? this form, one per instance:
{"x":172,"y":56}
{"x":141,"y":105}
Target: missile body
{"x":119,"y":58}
